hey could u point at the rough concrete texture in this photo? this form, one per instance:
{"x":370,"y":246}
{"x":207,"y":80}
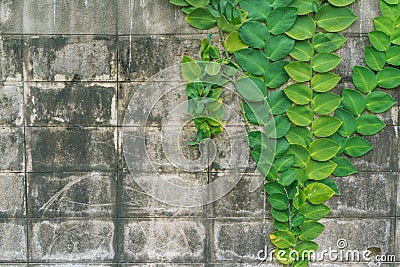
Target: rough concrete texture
{"x":68,"y":70}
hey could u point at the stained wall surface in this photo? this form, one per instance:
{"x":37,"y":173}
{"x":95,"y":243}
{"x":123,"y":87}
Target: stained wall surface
{"x":68,"y":69}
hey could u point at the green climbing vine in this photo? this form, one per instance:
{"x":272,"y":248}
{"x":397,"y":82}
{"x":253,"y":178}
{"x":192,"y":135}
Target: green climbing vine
{"x":287,"y":71}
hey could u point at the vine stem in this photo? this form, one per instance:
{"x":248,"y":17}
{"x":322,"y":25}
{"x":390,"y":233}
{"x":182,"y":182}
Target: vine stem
{"x":222,"y":37}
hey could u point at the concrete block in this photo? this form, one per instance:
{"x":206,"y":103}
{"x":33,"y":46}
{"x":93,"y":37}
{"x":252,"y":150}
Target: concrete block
{"x":12,"y":198}
{"x":11,"y":16}
{"x":142,"y":57}
{"x":71,"y":240}
{"x":146,"y":108}
{"x":366,"y":195}
{"x":233,"y":152}
{"x":73,"y":265}
{"x":384,"y":156}
{"x":70,"y":58}
{"x":151,"y":17}
{"x":11,"y":58}
{"x":12,"y":149}
{"x":240,"y":202}
{"x":352,"y":54}
{"x":76,"y":104}
{"x":71,"y":149}
{"x":356,"y":234}
{"x":11,"y":105}
{"x":239,"y":240}
{"x":13,"y":240}
{"x":164,"y":240}
{"x":65,"y":17}
{"x":163,"y":265}
{"x":137,"y":203}
{"x":160,"y":154}
{"x":71,"y":194}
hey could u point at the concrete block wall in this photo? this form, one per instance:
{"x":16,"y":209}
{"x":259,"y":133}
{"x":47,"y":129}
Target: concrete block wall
{"x":67,"y":71}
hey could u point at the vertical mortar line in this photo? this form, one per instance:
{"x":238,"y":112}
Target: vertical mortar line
{"x":24,"y":115}
{"x":117,"y":238}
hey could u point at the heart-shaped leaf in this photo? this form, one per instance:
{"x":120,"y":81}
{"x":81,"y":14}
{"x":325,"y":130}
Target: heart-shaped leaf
{"x":323,"y":149}
{"x":379,"y":102}
{"x":328,"y":42}
{"x":201,"y":18}
{"x":357,"y":146}
{"x":368,"y":124}
{"x":281,"y":19}
{"x":303,"y":28}
{"x":254,"y":34}
{"x":364,"y":79}
{"x":325,"y":103}
{"x":299,"y":71}
{"x":334,"y":19}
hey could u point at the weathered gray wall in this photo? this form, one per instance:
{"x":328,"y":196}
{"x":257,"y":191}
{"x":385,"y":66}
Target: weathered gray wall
{"x":67,"y":69}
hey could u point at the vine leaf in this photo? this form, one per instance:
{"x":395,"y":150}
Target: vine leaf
{"x":349,"y":126}
{"x":257,"y":9}
{"x":249,"y":90}
{"x":393,"y":55}
{"x":340,"y":3}
{"x":353,"y":101}
{"x":384,"y":24}
{"x":281,"y":19}
{"x":323,"y":149}
{"x":278,"y":201}
{"x":388,"y":78}
{"x":368,"y":124}
{"x":379,"y":40}
{"x":302,"y":51}
{"x":254,"y":34}
{"x":324,"y":62}
{"x":357,"y":146}
{"x":299,"y":71}
{"x":314,"y":212}
{"x":375,"y":59}
{"x":317,"y":193}
{"x":233,"y":43}
{"x":275,"y":75}
{"x":310,"y":230}
{"x":278,"y":47}
{"x":325,"y":126}
{"x":327,"y":42}
{"x":325,"y":103}
{"x":282,"y":239}
{"x":364,"y":79}
{"x":198,"y":3}
{"x":300,"y":115}
{"x":378,"y":102}
{"x":303,"y":28}
{"x":299,"y":93}
{"x":317,"y":170}
{"x":278,"y":102}
{"x":201,"y":18}
{"x":344,"y":167}
{"x":323,"y":82}
{"x":252,"y":60}
{"x":334,"y":19}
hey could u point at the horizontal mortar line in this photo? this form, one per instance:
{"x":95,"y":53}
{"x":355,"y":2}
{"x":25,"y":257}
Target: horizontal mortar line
{"x":112,"y":35}
{"x":158,"y":217}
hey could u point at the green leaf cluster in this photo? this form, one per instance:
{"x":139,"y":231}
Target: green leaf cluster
{"x":287,"y":82}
